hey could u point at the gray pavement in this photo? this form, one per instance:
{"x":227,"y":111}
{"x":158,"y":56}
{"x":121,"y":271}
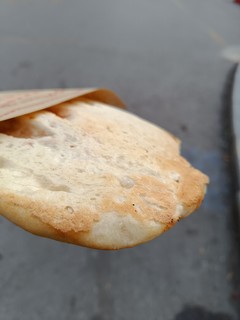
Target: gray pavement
{"x":164,"y":59}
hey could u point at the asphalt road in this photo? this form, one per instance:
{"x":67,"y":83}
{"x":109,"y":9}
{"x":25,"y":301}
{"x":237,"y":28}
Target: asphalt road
{"x":164,"y":59}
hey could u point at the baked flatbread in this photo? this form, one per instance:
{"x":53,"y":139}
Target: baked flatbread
{"x":94,"y":175}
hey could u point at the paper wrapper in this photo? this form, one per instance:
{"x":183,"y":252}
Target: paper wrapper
{"x":18,"y":103}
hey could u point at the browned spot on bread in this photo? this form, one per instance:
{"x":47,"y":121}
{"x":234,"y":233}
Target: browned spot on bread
{"x":23,"y":127}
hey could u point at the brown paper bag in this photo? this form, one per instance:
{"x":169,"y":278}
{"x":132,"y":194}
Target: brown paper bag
{"x":18,"y":103}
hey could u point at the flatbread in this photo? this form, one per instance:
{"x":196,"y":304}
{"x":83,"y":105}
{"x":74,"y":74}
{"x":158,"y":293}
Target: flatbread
{"x":94,"y":175}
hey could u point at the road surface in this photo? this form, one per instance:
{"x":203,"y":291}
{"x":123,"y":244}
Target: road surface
{"x":164,"y":59}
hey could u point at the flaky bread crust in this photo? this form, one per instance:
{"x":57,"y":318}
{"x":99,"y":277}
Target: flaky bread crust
{"x":93,"y":175}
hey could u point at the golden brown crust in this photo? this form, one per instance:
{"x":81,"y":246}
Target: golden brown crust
{"x":95,"y":176}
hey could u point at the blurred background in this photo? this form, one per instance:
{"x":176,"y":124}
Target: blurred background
{"x":164,"y":59}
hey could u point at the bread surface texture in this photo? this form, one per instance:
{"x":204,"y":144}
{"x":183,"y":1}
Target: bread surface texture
{"x":94,"y":175}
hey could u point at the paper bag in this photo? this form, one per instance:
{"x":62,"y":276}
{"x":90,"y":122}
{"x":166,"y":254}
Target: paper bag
{"x":18,"y":103}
